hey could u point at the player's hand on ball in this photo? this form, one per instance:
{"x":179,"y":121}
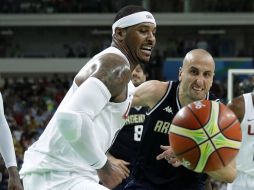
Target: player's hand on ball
{"x":168,"y":155}
{"x":110,"y":175}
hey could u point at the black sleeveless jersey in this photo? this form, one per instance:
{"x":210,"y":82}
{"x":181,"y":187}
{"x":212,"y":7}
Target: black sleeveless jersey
{"x":159,"y":173}
{"x":127,"y":142}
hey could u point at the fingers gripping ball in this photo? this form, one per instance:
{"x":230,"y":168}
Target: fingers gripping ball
{"x":205,"y":136}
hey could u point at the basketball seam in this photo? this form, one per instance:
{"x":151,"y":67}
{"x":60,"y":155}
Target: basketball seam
{"x":208,"y":136}
{"x":216,"y":150}
{"x":197,"y":145}
{"x":232,"y":123}
{"x":204,"y":124}
{"x":179,"y":154}
{"x":196,"y":116}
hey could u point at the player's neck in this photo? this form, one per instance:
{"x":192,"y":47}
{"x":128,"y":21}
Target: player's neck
{"x":183,"y":98}
{"x":133,"y":63}
{"x":184,"y":101}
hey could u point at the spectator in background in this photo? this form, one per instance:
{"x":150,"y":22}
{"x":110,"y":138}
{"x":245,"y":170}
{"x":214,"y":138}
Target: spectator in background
{"x":252,"y":55}
{"x":156,"y":66}
{"x":171,"y":48}
{"x":202,"y":44}
{"x":81,"y":49}
{"x":69,"y":50}
{"x":219,"y":90}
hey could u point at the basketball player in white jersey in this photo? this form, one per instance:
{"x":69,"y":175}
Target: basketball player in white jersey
{"x":243,"y":107}
{"x":70,"y":154}
{"x":7,"y":151}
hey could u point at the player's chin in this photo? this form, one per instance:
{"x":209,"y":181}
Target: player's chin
{"x":144,"y":58}
{"x":199,"y":95}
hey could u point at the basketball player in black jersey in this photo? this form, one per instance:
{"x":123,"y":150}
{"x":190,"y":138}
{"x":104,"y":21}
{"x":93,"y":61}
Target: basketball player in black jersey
{"x":156,"y":168}
{"x":123,"y":151}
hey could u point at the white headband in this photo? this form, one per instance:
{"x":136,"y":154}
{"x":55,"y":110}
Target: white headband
{"x":133,"y":19}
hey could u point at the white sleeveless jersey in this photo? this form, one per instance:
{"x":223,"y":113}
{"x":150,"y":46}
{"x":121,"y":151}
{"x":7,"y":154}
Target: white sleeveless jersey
{"x":245,"y":157}
{"x":51,"y":152}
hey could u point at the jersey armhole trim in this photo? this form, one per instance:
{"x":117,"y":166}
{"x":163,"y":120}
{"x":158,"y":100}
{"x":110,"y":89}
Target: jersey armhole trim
{"x":162,"y":99}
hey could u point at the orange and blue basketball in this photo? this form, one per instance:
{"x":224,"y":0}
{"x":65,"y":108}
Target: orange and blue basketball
{"x":205,"y":136}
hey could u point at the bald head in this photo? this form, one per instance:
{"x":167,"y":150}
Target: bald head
{"x":196,"y":76}
{"x":198,"y":56}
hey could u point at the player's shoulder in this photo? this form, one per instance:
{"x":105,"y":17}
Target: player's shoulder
{"x":114,"y":63}
{"x":109,"y":61}
{"x":114,"y":66}
{"x":113,"y":70}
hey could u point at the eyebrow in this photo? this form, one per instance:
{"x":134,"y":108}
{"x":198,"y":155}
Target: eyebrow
{"x":195,"y":68}
{"x":192,"y":67}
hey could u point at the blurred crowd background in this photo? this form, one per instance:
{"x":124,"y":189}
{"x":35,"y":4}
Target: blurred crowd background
{"x":98,"y":6}
{"x":31,"y":99}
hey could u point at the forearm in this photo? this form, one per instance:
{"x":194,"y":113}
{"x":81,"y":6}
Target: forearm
{"x":76,"y":121}
{"x":78,"y":130}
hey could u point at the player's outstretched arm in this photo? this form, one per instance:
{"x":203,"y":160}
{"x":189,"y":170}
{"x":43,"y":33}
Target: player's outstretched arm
{"x":226,"y":174}
{"x":149,"y":93}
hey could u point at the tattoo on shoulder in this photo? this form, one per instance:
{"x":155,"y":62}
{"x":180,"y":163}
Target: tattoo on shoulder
{"x":114,"y":72}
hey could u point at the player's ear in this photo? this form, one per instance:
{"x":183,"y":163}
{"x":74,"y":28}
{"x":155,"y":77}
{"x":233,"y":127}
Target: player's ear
{"x":120,"y":33}
{"x":180,"y":74}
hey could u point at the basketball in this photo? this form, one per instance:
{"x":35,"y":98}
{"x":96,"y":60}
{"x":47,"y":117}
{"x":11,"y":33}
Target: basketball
{"x":205,"y":136}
